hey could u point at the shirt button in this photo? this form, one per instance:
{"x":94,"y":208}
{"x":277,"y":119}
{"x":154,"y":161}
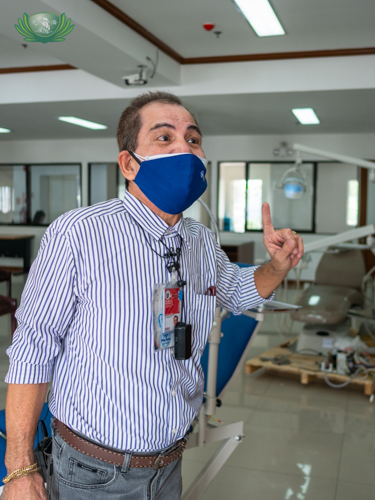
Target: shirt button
{"x":174,"y":393}
{"x":174,"y":431}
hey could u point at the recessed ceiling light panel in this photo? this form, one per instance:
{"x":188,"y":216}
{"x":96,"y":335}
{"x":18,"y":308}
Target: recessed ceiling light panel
{"x":4,"y":130}
{"x":306,"y":116}
{"x":261,"y":17}
{"x":82,"y":123}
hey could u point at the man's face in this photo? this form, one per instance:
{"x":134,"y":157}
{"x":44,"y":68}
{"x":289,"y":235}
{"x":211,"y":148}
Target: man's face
{"x":175,"y":320}
{"x":167,"y":129}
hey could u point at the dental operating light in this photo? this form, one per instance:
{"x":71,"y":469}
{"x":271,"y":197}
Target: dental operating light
{"x":293,"y":182}
{"x":82,"y":123}
{"x":261,"y":17}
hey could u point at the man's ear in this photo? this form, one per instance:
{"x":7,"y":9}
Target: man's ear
{"x":129,"y":167}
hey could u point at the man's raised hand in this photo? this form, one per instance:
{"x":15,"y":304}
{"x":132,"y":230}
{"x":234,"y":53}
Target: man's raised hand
{"x":284,"y":246}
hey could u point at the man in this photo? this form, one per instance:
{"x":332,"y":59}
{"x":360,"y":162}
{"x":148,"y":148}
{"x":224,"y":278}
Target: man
{"x":86,"y":316}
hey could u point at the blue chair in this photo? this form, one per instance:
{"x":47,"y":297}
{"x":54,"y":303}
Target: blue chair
{"x":45,"y":415}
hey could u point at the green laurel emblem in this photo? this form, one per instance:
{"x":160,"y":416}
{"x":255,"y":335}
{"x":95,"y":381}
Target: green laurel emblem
{"x":44,"y":27}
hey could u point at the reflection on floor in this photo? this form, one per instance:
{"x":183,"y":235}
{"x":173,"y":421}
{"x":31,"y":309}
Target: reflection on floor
{"x":302,"y":442}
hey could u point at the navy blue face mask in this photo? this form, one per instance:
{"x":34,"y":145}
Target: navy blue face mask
{"x":171,"y":182}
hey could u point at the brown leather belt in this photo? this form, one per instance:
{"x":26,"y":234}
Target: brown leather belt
{"x":114,"y":457}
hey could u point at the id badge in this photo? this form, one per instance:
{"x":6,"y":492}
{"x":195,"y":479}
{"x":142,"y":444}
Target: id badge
{"x":166,"y":309}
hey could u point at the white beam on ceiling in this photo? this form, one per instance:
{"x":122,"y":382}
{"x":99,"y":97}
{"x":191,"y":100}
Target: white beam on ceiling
{"x":303,"y":75}
{"x":293,"y":75}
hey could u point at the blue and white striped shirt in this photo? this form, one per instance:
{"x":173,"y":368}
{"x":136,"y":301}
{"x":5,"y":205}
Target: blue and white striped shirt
{"x":86,"y":318}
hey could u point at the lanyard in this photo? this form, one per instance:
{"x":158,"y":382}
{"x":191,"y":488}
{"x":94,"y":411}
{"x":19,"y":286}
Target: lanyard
{"x":172,"y":261}
{"x":182,"y":331}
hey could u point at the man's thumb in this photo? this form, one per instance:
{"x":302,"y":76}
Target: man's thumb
{"x":287,"y":249}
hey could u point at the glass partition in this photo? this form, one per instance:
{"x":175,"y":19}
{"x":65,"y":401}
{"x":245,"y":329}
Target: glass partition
{"x":232,"y":196}
{"x":13,"y":203}
{"x":297,"y":213}
{"x":245,"y":186}
{"x":105,"y":182}
{"x":54,"y":190}
{"x":338,"y":197}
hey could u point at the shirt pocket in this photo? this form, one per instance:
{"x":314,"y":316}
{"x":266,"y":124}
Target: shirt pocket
{"x":203,"y":317}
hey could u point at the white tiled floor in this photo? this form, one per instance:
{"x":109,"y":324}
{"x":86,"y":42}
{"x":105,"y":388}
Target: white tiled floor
{"x":302,"y":442}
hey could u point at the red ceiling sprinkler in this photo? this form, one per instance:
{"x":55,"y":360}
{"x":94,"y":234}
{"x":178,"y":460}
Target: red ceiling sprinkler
{"x":208,"y":26}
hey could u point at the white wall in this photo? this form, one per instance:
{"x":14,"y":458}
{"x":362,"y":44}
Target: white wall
{"x":217,"y":148}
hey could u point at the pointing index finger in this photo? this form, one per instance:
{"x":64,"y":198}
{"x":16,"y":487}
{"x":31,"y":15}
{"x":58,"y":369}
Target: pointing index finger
{"x":266,"y":219}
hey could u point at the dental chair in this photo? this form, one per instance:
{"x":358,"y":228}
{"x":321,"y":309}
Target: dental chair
{"x":337,"y":288}
{"x":326,"y":303}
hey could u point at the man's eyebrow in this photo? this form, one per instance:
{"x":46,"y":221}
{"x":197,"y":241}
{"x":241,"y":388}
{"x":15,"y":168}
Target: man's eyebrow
{"x":161,"y":125}
{"x":168,"y":125}
{"x":196,"y":128}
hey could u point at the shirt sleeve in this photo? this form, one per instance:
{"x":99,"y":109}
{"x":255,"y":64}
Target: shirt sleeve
{"x":235,"y":289}
{"x":46,"y":310}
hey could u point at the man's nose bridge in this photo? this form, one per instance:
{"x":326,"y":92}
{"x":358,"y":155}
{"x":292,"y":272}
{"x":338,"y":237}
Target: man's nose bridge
{"x":182,"y":146}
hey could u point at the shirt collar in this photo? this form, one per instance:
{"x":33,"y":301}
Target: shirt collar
{"x":151,"y":222}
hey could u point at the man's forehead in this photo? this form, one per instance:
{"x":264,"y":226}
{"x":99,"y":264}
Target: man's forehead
{"x":157,"y":112}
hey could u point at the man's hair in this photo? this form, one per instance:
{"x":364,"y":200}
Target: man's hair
{"x":130,"y":121}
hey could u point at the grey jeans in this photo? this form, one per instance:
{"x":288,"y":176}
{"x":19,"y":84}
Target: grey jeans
{"x":76,"y":476}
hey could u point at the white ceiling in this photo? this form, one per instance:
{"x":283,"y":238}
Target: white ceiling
{"x":309,"y":24}
{"x":13,"y":54}
{"x":105,"y":48}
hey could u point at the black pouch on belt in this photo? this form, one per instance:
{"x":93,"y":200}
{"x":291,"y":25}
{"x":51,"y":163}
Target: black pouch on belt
{"x":43,"y":451}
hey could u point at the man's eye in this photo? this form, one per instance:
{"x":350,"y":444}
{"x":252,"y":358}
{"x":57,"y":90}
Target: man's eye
{"x":193,"y":140}
{"x":163,"y":138}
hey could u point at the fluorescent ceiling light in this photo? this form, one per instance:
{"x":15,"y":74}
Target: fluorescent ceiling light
{"x":82,"y":123}
{"x":4,"y":130}
{"x":306,"y":116}
{"x":261,"y":17}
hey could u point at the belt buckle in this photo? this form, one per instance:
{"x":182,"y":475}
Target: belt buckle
{"x":159,"y":462}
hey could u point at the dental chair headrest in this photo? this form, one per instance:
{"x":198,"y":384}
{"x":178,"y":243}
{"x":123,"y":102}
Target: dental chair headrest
{"x":341,"y":269}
